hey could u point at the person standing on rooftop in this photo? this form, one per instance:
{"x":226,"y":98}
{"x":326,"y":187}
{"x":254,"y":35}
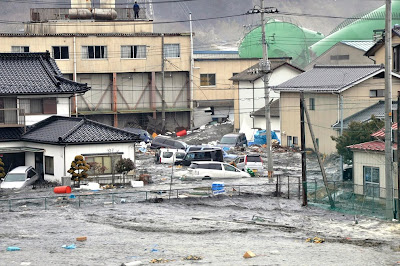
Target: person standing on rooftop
{"x":136,"y":9}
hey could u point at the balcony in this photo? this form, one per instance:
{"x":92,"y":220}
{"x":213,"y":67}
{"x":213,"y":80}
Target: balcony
{"x":12,"y":117}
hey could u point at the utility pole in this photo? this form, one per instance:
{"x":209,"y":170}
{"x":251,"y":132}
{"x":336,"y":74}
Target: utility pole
{"x":162,"y":85}
{"x":388,"y":111}
{"x":321,"y":165}
{"x":266,"y":68}
{"x":191,"y":73}
{"x":303,"y":150}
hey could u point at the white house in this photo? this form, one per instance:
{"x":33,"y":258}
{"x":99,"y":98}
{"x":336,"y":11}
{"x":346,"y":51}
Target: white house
{"x":251,"y":95}
{"x":52,"y":144}
{"x":35,"y":124}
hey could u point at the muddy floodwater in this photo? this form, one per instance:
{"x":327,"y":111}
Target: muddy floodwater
{"x":197,"y":228}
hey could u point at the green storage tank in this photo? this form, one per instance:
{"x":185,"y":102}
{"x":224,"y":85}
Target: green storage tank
{"x":360,"y":27}
{"x":284,"y":39}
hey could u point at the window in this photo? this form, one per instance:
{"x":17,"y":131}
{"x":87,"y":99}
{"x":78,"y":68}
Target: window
{"x":20,"y":49}
{"x":94,"y":52}
{"x":229,"y":168}
{"x":103,"y":163}
{"x":295,"y":141}
{"x":289,"y":141}
{"x":171,"y":50}
{"x":340,"y":57}
{"x":39,"y":105}
{"x":376,"y":93}
{"x":207,"y":79}
{"x":396,"y":58}
{"x":49,"y":165}
{"x":133,"y":51}
{"x":60,"y":52}
{"x":371,"y":181}
{"x":312,"y":104}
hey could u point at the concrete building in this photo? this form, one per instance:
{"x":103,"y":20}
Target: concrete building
{"x":131,"y":69}
{"x":345,"y":53}
{"x":211,"y":78}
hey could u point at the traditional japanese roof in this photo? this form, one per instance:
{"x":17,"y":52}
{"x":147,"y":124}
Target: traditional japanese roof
{"x":10,"y":133}
{"x":274,"y":110}
{"x":381,"y":133}
{"x":34,"y":74}
{"x":377,"y":110}
{"x":376,"y":145}
{"x":330,"y":78}
{"x":254,"y":73}
{"x":71,"y":130}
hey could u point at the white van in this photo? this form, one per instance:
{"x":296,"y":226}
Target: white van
{"x":169,"y":156}
{"x":213,"y":170}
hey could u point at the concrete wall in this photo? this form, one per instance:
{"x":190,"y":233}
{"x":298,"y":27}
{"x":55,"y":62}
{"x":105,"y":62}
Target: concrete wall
{"x":113,"y":63}
{"x":223,"y":70}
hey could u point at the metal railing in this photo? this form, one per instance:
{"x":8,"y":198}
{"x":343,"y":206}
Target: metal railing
{"x":12,"y":117}
{"x":48,"y":14}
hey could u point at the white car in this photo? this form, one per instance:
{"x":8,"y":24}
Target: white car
{"x":20,"y":177}
{"x":213,"y":170}
{"x":169,"y":156}
{"x":250,"y":161}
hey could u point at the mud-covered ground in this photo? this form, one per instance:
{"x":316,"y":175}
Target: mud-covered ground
{"x":217,"y":228}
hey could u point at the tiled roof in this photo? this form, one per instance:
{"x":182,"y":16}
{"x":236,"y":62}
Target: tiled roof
{"x":71,"y":130}
{"x":375,"y":145}
{"x":363,"y":45}
{"x":34,"y":73}
{"x":253,"y":73}
{"x":274,"y":110}
{"x":381,"y":133}
{"x":377,"y":110}
{"x":328,"y":78}
{"x":10,"y":133}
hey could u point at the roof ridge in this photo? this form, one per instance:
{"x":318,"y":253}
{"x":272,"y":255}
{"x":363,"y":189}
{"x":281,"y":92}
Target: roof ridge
{"x":72,"y":130}
{"x":349,"y":66}
{"x":46,"y":68}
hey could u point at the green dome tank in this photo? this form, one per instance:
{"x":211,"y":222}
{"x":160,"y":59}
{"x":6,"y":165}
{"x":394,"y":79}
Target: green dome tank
{"x":359,"y":27}
{"x":284,"y":39}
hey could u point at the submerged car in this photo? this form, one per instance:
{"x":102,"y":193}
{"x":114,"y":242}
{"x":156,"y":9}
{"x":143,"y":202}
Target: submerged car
{"x":250,"y":161}
{"x":213,"y":170}
{"x":169,"y":156}
{"x":20,"y":177}
{"x":233,"y":140}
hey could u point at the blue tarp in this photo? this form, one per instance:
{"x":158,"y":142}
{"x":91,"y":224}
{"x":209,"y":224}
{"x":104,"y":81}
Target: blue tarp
{"x":261,"y":138}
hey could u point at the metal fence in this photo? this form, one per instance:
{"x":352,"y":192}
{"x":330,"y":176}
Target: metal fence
{"x":350,"y":198}
{"x":347,"y":197}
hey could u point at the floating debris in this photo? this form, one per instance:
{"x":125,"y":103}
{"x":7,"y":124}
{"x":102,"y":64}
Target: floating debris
{"x":192,"y":257}
{"x":316,"y":239}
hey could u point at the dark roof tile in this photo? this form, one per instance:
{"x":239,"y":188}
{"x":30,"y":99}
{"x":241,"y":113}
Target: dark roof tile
{"x":34,"y":73}
{"x":70,"y":130}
